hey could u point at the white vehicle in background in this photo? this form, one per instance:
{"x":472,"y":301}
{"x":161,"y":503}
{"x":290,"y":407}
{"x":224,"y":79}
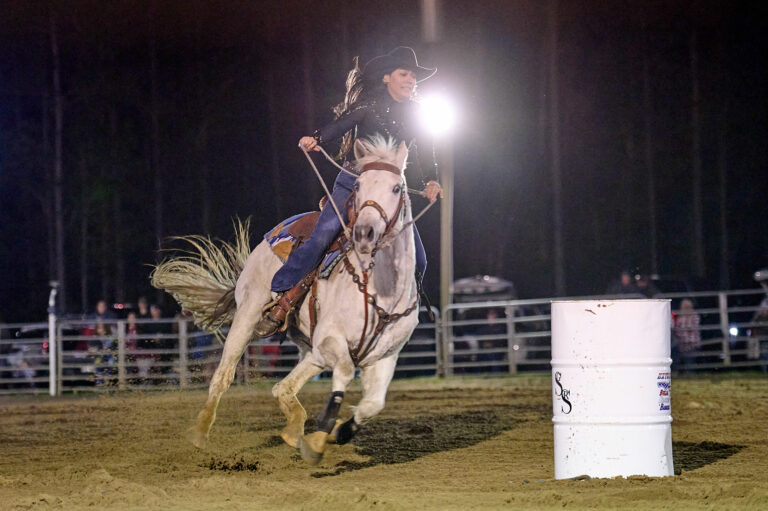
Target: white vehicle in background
{"x":23,"y":357}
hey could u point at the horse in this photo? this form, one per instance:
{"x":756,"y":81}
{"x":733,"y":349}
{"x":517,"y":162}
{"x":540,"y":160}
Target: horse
{"x":369,"y":305}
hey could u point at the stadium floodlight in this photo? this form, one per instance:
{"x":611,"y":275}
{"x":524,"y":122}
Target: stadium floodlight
{"x":438,"y":114}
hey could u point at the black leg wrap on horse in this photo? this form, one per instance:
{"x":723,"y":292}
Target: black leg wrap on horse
{"x":346,"y":431}
{"x":327,"y":419}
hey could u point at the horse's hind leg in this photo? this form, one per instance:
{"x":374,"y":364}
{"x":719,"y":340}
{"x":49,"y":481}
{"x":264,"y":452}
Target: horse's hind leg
{"x":375,"y":379}
{"x":286,"y":390}
{"x":239,"y":335}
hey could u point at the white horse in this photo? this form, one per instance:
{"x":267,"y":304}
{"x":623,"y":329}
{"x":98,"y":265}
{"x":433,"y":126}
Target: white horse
{"x":362,"y":322}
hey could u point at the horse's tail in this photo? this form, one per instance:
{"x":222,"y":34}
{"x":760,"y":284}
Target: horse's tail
{"x":203,"y":277}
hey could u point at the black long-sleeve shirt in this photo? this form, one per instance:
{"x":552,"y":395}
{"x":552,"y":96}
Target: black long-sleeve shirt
{"x":383,"y":115}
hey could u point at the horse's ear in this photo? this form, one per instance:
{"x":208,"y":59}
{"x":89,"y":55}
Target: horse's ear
{"x":402,"y":155}
{"x":360,"y":149}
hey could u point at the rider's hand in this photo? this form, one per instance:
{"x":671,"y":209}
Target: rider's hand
{"x":308,"y":143}
{"x":432,"y":190}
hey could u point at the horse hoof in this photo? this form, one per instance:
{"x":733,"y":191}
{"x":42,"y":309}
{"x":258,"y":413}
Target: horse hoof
{"x":312,"y":447}
{"x":197,"y":438}
{"x":346,"y":431}
{"x":332,"y":434}
{"x":289,"y":439}
{"x":293,"y":432}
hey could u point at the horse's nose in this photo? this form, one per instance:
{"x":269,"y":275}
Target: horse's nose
{"x":363,"y":232}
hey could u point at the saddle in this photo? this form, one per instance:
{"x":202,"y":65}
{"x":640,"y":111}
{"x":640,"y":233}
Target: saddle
{"x":304,"y":226}
{"x":292,"y":232}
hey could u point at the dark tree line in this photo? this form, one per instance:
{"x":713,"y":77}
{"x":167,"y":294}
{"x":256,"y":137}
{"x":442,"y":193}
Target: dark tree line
{"x":123,"y":123}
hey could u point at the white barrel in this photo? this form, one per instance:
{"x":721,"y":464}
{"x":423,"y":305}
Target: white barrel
{"x":611,"y":388}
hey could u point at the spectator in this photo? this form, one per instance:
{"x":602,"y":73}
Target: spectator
{"x":625,"y":284}
{"x":143,"y":308}
{"x":131,"y":343}
{"x":156,"y":333}
{"x":646,"y":287}
{"x":103,"y":326}
{"x":687,"y":334}
{"x":100,"y":348}
{"x":131,"y":333}
{"x":157,"y":326}
{"x":103,"y":312}
{"x":492,"y":328}
{"x":104,"y":359}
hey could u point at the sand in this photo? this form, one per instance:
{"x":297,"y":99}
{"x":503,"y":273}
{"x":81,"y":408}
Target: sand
{"x":438,"y":444}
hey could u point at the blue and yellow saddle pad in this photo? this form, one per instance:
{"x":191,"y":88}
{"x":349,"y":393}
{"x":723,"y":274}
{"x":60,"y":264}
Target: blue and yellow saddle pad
{"x":281,"y":241}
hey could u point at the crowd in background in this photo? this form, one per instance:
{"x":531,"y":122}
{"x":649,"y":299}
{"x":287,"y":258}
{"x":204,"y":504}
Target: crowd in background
{"x":140,"y":336}
{"x":152,"y":349}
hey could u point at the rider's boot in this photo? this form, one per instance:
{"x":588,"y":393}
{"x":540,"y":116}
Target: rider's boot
{"x":273,"y":319}
{"x":423,"y":298}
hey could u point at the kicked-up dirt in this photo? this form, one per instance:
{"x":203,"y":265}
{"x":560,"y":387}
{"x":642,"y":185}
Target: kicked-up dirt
{"x":439,"y":444}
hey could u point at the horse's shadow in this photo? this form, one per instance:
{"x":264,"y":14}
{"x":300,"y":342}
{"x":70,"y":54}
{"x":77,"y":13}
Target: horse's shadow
{"x":691,"y":456}
{"x":404,"y":439}
{"x":393,"y":441}
{"x":400,"y":440}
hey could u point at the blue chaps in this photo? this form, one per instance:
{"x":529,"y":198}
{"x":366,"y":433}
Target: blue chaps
{"x":309,"y":254}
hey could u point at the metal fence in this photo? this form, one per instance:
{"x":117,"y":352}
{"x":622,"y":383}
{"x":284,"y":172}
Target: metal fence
{"x":515,"y":336}
{"x":112,"y":354}
{"x":471,"y":338}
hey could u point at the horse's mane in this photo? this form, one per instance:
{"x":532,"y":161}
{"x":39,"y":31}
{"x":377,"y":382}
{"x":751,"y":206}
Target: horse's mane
{"x":379,"y":149}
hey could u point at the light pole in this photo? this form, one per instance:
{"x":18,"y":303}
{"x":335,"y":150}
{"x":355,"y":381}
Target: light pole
{"x":439,"y":116}
{"x":446,"y":227}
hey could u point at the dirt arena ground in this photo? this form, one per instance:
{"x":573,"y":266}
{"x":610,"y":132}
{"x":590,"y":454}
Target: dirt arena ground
{"x":439,"y":444}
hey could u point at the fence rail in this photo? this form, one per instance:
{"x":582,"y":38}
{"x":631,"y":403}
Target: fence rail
{"x":469,"y":338}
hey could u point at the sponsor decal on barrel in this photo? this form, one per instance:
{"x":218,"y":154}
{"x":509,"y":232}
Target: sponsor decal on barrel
{"x":563,"y":394}
{"x":664,"y":384}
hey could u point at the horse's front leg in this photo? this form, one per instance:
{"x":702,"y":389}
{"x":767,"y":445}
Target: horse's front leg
{"x":335,"y":353}
{"x":239,"y":335}
{"x":286,"y":393}
{"x":375,"y":378}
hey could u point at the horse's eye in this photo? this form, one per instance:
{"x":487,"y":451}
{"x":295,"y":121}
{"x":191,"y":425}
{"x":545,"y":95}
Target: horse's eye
{"x":396,"y":189}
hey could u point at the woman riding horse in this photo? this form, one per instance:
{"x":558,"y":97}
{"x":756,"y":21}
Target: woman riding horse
{"x":378,"y":101}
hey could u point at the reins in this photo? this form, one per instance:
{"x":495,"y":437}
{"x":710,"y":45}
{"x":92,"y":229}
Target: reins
{"x":386,"y":240}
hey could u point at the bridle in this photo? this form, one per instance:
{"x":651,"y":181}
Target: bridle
{"x":389,"y":222}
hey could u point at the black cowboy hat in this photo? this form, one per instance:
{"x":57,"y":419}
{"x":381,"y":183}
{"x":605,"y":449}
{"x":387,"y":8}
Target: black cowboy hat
{"x":401,"y":57}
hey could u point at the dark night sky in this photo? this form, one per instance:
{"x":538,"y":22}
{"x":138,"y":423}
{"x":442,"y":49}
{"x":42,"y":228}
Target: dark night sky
{"x":239,"y":82}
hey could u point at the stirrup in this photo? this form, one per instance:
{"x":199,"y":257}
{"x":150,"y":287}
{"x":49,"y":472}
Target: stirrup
{"x":269,"y":325}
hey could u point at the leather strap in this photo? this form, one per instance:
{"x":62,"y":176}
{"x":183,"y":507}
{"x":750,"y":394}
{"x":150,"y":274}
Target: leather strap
{"x":382,"y":166}
{"x":375,"y":205}
{"x":312,"y":311}
{"x":291,"y":298}
{"x":390,"y":222}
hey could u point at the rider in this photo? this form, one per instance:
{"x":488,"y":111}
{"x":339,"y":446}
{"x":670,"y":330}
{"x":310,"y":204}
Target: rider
{"x":378,"y":101}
